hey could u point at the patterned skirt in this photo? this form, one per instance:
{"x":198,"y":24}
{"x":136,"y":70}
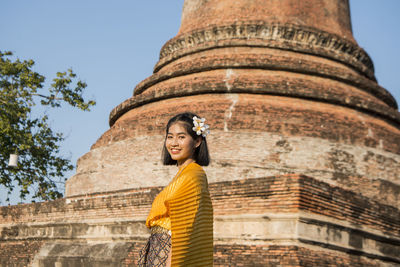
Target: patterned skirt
{"x":156,"y":250}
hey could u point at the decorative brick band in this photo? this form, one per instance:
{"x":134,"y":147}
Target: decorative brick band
{"x":289,"y":37}
{"x":275,"y":88}
{"x":269,"y":62}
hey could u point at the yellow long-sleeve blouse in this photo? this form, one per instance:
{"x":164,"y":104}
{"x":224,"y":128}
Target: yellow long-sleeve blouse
{"x":184,"y":207}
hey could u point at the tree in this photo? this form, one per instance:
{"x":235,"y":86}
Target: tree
{"x":40,"y":167}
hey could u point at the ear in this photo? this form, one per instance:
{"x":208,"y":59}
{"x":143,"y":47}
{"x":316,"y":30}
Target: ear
{"x":197,"y":142}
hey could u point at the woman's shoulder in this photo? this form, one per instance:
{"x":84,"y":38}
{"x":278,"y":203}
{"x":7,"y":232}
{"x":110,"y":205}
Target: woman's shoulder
{"x":193,"y":175}
{"x":193,"y":167}
{"x":193,"y":170}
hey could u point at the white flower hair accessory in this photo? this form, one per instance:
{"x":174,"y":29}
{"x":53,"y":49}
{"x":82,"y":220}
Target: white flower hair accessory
{"x":200,"y":127}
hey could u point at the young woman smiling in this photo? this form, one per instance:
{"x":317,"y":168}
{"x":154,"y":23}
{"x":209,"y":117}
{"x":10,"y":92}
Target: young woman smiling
{"x":181,"y":216}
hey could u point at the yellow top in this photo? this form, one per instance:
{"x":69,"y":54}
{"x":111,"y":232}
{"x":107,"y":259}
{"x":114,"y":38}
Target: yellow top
{"x":184,"y":207}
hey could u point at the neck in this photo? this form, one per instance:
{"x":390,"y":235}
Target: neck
{"x":182,"y":164}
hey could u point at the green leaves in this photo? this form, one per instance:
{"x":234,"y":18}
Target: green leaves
{"x":40,"y":168}
{"x":61,"y":91}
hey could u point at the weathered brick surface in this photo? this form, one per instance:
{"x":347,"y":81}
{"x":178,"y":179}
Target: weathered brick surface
{"x":332,"y":16}
{"x":306,"y":40}
{"x":84,"y":254}
{"x":278,"y":255}
{"x":264,"y":59}
{"x":334,"y":143}
{"x":120,"y":216}
{"x":371,"y":172}
{"x":288,"y":193}
{"x":135,"y":202}
{"x":133,"y":256}
{"x":291,"y":193}
{"x":244,"y":36}
{"x":264,"y":83}
{"x":18,"y":253}
{"x":274,"y":114}
{"x":224,"y":255}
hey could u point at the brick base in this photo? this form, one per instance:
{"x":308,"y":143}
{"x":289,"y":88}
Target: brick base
{"x":18,"y":253}
{"x":242,"y":255}
{"x":287,"y":220}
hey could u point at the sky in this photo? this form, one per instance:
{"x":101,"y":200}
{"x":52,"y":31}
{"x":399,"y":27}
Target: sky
{"x":113,"y":45}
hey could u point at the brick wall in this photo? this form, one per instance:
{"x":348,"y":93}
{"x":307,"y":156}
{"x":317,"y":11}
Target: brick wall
{"x":18,"y":253}
{"x":275,"y":255}
{"x":119,"y":217}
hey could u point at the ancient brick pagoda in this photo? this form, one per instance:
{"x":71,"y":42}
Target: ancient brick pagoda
{"x":305,"y":147}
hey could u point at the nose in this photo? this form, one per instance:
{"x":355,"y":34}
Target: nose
{"x":174,"y":141}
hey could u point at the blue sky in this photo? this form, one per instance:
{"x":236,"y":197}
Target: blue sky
{"x":113,"y":45}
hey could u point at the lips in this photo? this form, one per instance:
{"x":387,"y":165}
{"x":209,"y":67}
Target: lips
{"x":175,"y":151}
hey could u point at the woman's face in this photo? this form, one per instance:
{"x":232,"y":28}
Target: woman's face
{"x":180,"y":144}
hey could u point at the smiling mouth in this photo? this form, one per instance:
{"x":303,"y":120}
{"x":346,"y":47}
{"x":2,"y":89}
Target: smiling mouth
{"x":175,"y":151}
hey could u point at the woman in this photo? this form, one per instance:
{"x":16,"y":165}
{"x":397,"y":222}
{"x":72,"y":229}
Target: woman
{"x":181,"y":217}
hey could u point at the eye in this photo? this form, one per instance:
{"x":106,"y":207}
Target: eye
{"x":181,"y":137}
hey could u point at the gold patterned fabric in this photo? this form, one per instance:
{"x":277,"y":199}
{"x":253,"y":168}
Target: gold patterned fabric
{"x":185,"y":208}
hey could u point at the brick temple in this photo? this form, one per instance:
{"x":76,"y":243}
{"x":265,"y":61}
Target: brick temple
{"x":305,"y":148}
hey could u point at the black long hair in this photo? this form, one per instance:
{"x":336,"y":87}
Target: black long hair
{"x":201,"y":155}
